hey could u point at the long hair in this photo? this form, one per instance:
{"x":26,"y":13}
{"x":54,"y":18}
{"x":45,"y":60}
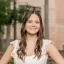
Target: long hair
{"x":22,"y":45}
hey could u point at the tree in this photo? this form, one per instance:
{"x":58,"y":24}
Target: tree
{"x":21,"y":11}
{"x":5,"y":19}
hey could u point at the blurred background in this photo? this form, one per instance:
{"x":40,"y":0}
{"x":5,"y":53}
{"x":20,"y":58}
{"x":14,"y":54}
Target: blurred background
{"x":12,"y":12}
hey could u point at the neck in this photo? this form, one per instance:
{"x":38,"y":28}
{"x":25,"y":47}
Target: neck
{"x":31,"y":38}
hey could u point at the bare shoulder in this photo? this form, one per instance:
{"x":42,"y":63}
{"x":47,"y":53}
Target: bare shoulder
{"x":49,"y":44}
{"x":50,"y":47}
{"x":10,"y":47}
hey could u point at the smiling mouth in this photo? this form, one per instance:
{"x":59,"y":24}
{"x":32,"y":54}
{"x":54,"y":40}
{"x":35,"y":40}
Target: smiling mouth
{"x":33,"y":28}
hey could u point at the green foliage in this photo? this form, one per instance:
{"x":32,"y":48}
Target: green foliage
{"x":5,"y":14}
{"x":1,"y":30}
{"x":21,"y":10}
{"x":20,"y":13}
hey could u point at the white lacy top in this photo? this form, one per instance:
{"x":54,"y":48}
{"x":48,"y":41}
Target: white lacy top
{"x":30,"y":59}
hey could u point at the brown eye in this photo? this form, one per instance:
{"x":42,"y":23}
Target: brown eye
{"x":29,"y":21}
{"x":37,"y":22}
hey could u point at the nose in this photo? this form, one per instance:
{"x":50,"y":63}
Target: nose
{"x":33,"y":25}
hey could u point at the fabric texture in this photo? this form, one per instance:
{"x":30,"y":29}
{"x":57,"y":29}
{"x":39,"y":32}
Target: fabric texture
{"x":30,"y":59}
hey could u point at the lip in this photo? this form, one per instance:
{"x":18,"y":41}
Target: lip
{"x":33,"y":28}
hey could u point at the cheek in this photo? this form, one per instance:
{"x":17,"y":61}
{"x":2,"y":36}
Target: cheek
{"x":27,"y":25}
{"x":38,"y":27}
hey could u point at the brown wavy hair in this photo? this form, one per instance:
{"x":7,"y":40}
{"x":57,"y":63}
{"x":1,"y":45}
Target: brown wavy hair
{"x":22,"y":45}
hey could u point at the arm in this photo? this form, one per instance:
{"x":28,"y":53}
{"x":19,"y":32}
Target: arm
{"x":7,"y":55}
{"x":54,"y":54}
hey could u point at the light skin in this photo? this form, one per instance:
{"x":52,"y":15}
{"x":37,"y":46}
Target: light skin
{"x":32,"y":27}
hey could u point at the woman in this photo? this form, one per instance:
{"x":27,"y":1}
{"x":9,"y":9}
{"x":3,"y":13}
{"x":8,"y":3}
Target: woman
{"x":32,"y":48}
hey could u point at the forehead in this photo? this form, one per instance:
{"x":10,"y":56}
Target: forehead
{"x":34,"y":17}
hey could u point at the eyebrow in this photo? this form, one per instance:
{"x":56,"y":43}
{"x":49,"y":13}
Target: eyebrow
{"x":32,"y":20}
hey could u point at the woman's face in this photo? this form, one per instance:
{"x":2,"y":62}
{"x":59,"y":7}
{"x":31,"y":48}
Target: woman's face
{"x":33,"y":24}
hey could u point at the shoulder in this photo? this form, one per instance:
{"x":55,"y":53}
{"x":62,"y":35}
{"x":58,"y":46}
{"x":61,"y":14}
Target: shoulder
{"x":49,"y":45}
{"x":15,"y":42}
{"x":47,"y":41}
{"x":15,"y":46}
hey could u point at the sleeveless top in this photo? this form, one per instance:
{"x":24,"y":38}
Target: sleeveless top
{"x":30,"y":59}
